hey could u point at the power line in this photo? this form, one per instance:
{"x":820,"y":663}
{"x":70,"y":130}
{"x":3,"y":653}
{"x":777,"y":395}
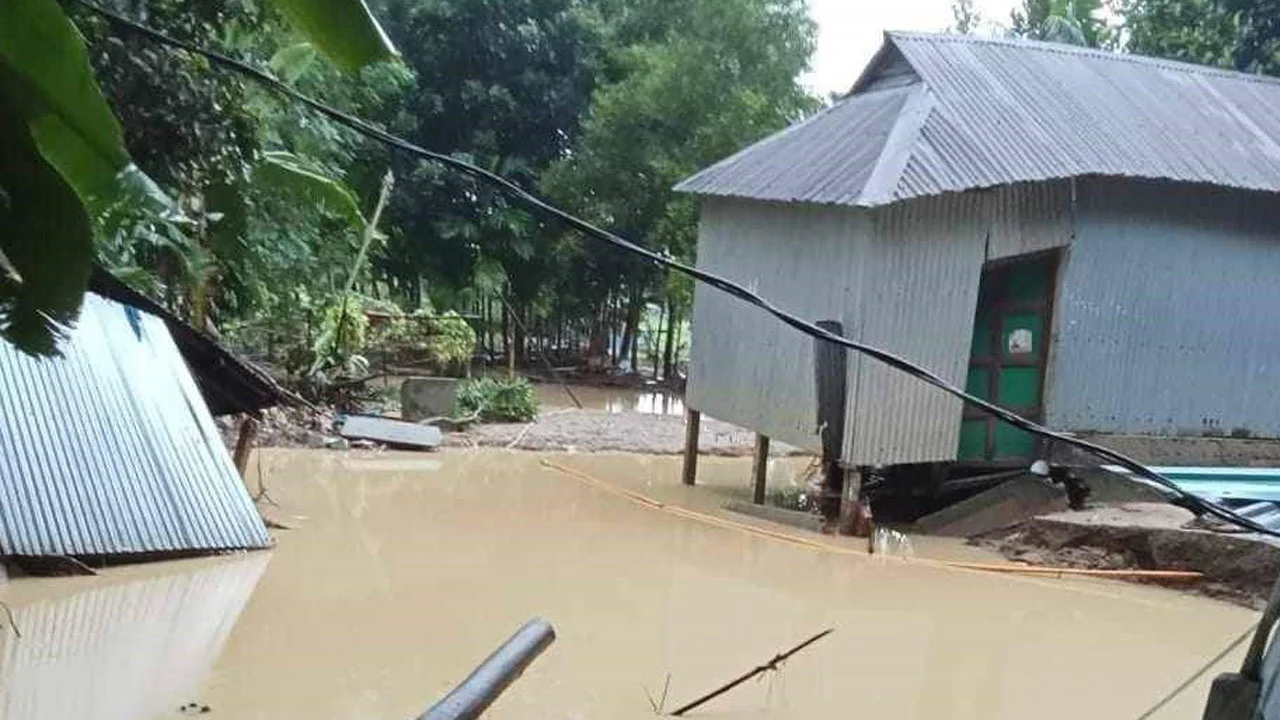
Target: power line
{"x":727,"y":286}
{"x":1168,"y":697}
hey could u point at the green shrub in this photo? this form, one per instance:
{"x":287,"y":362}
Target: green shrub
{"x":451,"y":341}
{"x":342,"y":330}
{"x":446,"y":339}
{"x":498,"y":400}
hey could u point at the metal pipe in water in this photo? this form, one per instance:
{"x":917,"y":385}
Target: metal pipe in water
{"x":495,"y":674}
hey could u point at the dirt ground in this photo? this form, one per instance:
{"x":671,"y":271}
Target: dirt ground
{"x":1240,"y":567}
{"x":557,"y":429}
{"x":600,"y":430}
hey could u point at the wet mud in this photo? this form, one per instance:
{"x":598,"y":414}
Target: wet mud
{"x":404,"y":571}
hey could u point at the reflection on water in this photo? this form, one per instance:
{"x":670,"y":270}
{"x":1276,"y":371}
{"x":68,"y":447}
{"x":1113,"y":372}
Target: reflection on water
{"x":399,"y":579}
{"x":126,"y":651}
{"x":887,"y":541}
{"x":614,"y":400}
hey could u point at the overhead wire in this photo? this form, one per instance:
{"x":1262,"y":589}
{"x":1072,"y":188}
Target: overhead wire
{"x":711,"y":279}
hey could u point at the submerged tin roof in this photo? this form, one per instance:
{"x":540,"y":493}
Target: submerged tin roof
{"x":111,"y":450}
{"x":972,"y":112}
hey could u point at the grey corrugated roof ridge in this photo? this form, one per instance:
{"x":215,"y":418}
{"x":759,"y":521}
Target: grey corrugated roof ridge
{"x":696,"y":183}
{"x":1011,"y":111}
{"x":693,"y":180}
{"x":1079,"y":50}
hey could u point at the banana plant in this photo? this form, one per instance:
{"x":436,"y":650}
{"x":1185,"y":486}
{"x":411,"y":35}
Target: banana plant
{"x":63,"y":161}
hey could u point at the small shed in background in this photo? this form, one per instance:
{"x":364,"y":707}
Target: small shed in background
{"x":110,"y":449}
{"x":1089,"y":239}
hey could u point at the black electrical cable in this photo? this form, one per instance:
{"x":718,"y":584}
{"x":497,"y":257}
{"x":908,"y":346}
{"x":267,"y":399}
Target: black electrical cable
{"x":715,"y":281}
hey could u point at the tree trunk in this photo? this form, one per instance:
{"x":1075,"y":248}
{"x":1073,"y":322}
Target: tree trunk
{"x":657,"y":339}
{"x":668,"y":353}
{"x":631,"y":321}
{"x":519,"y":351}
{"x":488,"y":325}
{"x":507,"y":349}
{"x":635,"y":351}
{"x":610,"y":330}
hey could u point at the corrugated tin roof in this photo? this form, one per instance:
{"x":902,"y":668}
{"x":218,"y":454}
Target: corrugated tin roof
{"x":228,"y":384}
{"x":827,"y":158}
{"x":110,"y":449}
{"x":993,"y":112}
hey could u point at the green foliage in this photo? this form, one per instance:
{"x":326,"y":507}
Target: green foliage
{"x":49,"y":78}
{"x":60,"y":150}
{"x":65,"y":166}
{"x":1072,"y":22}
{"x":344,"y":30}
{"x":297,"y":175}
{"x":446,"y":339}
{"x":504,"y":83}
{"x":42,"y":219}
{"x":688,"y":84}
{"x":343,"y":327}
{"x":498,"y":400}
{"x":1235,"y":34}
{"x":1196,"y":31}
{"x":966,"y":15}
{"x":604,"y":103}
{"x":452,"y":341}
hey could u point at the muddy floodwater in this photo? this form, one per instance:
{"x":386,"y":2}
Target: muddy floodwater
{"x":612,"y":399}
{"x":404,"y":571}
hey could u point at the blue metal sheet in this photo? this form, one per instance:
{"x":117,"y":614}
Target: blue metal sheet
{"x":111,"y":450}
{"x":1221,"y":483}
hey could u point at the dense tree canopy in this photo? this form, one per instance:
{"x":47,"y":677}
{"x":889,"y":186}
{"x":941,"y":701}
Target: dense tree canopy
{"x":1237,"y":34}
{"x":247,"y":214}
{"x":68,"y":179}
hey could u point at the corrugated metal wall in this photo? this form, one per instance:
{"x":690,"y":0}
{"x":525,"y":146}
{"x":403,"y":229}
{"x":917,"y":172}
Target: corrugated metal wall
{"x":1167,"y":313}
{"x":1028,"y":219}
{"x":919,"y":300}
{"x":110,"y":449}
{"x":745,"y":366}
{"x":904,"y":278}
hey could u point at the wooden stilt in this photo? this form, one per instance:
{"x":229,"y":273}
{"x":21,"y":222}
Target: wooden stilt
{"x":244,"y":443}
{"x":692,"y":426}
{"x":851,"y":495}
{"x":830,"y":370}
{"x":760,"y":468}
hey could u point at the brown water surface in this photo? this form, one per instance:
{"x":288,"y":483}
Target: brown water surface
{"x":649,"y":401}
{"x":404,"y":571}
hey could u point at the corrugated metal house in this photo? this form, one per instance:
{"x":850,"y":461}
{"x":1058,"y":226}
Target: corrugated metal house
{"x":110,"y":449}
{"x":1087,"y":238}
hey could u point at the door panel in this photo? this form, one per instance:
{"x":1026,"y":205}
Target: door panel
{"x":1008,"y":356}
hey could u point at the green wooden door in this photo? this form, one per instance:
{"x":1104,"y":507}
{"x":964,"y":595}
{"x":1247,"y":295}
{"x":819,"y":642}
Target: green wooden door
{"x":1007,"y":358}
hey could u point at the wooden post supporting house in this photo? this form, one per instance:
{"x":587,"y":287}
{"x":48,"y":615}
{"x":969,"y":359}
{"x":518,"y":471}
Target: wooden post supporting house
{"x":830,"y":377}
{"x":244,"y":443}
{"x":853,"y":518}
{"x":692,"y":425}
{"x":760,"y":468}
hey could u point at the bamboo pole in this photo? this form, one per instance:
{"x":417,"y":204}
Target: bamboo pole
{"x":1014,"y":569}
